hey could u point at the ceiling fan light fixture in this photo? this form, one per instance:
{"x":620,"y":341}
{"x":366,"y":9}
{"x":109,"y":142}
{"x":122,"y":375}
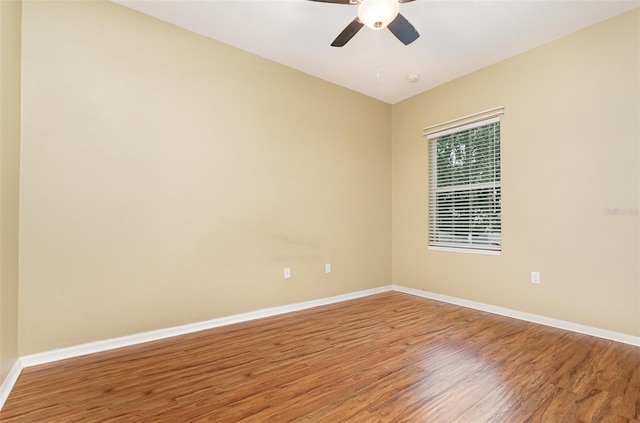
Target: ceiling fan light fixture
{"x":377,"y":14}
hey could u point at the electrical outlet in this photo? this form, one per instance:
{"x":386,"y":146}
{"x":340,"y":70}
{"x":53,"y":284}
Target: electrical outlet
{"x":287,"y":273}
{"x":535,"y":277}
{"x":327,"y":268}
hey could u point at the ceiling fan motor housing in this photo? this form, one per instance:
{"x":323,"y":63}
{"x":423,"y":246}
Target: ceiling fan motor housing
{"x":376,"y":14}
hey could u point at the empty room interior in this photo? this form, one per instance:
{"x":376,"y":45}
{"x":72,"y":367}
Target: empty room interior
{"x":169,"y":197}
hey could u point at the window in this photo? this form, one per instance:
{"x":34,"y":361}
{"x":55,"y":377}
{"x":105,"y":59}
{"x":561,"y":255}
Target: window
{"x":465,"y":195}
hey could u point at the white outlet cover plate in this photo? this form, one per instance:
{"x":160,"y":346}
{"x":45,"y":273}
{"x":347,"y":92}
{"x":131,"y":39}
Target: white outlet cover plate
{"x":535,"y":277}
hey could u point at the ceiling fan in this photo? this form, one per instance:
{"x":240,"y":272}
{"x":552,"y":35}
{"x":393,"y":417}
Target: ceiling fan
{"x":376,"y":14}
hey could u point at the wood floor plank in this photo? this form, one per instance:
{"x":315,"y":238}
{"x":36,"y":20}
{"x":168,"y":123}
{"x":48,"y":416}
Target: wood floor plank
{"x":391,"y":358}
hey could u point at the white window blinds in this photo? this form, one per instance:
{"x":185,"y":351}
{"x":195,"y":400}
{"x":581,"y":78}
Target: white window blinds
{"x":465,"y":194}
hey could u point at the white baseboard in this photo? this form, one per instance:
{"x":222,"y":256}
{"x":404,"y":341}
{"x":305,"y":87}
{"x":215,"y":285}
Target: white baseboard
{"x":9,"y":381}
{"x":529,"y":317}
{"x":126,"y":341}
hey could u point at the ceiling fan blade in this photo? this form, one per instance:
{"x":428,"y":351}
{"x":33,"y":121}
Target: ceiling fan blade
{"x":405,"y":1}
{"x":347,"y":33}
{"x":339,"y":1}
{"x":403,"y":30}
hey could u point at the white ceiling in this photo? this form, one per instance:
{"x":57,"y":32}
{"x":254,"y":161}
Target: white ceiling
{"x":456,"y":37}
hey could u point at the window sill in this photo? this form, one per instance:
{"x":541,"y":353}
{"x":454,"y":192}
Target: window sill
{"x":466,"y":250}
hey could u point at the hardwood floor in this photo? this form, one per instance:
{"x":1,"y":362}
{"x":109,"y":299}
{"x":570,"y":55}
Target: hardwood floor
{"x":390,"y":357}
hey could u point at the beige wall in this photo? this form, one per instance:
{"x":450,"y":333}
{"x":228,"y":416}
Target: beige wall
{"x":570,"y":151}
{"x":10,"y":27}
{"x":168,"y":179}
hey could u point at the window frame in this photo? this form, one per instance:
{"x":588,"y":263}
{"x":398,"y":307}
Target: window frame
{"x":432,"y":134}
